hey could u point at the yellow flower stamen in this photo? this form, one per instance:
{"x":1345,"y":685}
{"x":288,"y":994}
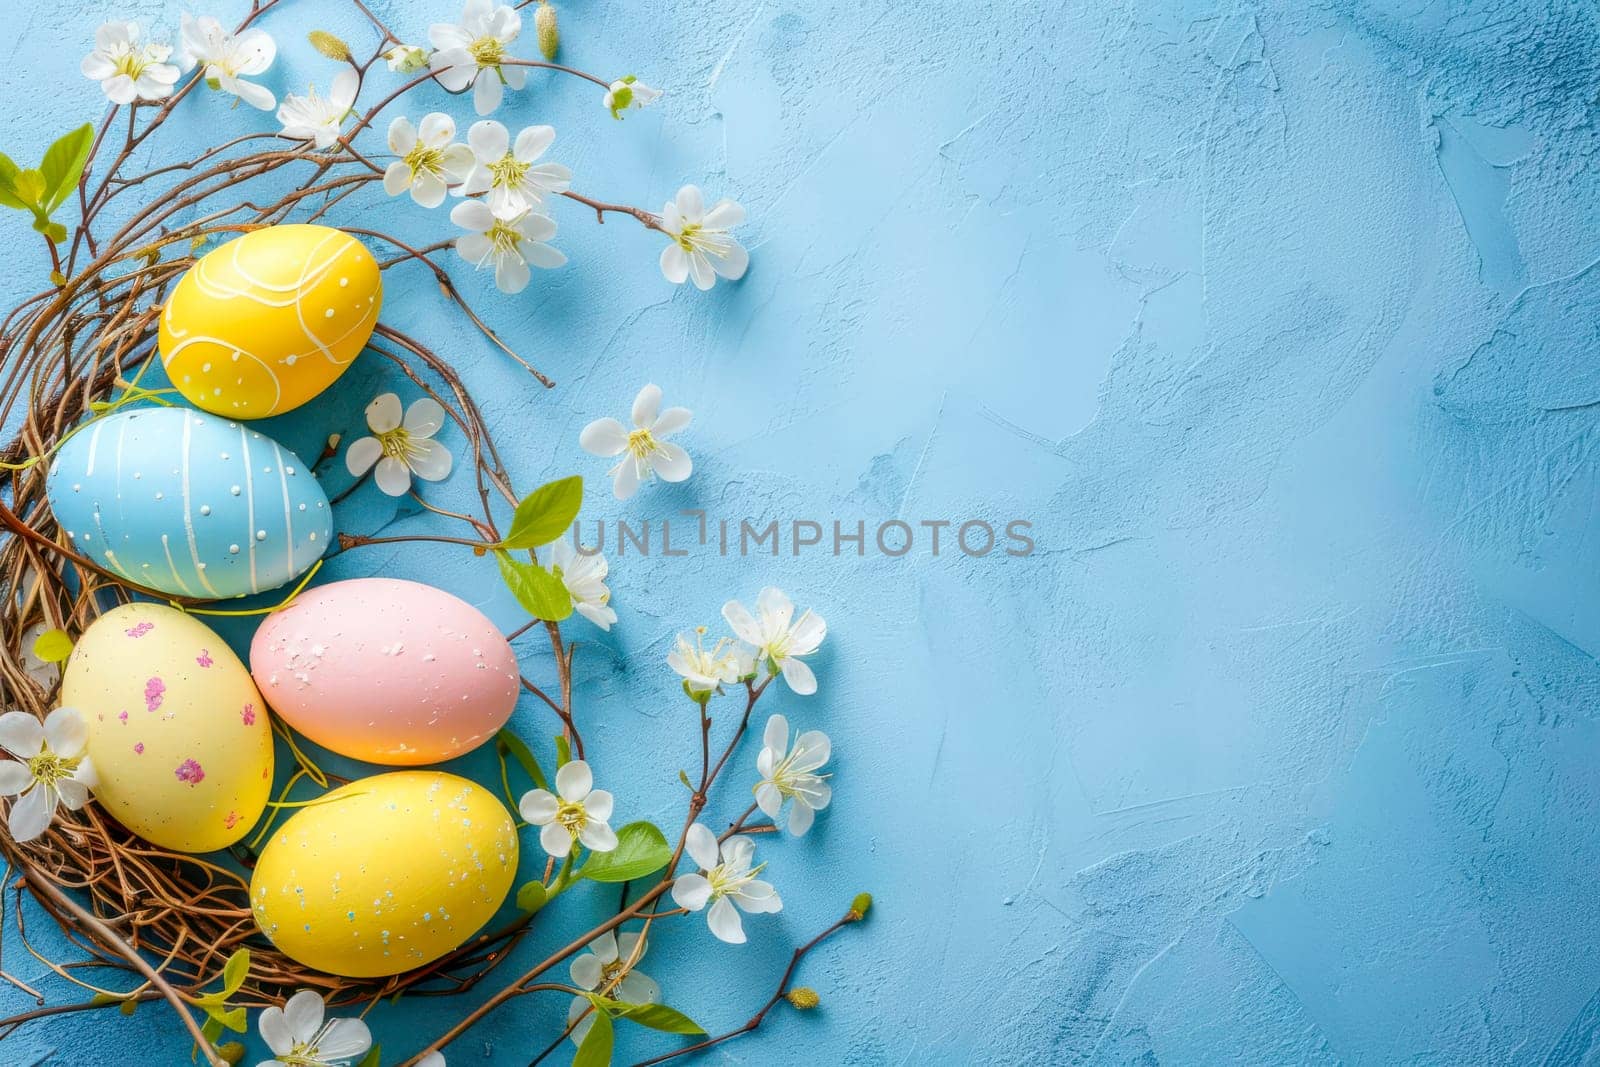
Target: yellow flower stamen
{"x":487,"y":51}
{"x":507,"y":172}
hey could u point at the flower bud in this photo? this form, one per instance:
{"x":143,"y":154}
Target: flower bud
{"x":803,"y":998}
{"x":333,"y":442}
{"x":329,"y":45}
{"x":859,"y":907}
{"x":549,"y":34}
{"x":406,"y":58}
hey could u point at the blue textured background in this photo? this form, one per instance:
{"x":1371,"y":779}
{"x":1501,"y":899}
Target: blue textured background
{"x":1277,"y":320}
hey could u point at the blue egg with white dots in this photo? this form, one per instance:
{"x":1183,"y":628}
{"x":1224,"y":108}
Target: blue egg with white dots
{"x":192,"y":504}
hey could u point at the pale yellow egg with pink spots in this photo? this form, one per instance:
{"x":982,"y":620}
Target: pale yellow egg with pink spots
{"x":267,"y":321}
{"x":178,"y":734}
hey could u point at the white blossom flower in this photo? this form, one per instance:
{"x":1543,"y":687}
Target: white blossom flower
{"x":629,"y":94}
{"x":428,"y":162}
{"x":54,"y":770}
{"x":584,"y":575}
{"x":791,"y":774}
{"x":599,"y":969}
{"x":512,"y":244}
{"x":708,"y":669}
{"x":579,"y":813}
{"x":298,"y":1036}
{"x":406,"y":58}
{"x":777,"y":638}
{"x":472,"y":53}
{"x":507,"y":172}
{"x":725,"y":879}
{"x":126,"y":68}
{"x":401,"y":447}
{"x":311,"y":118}
{"x":224,"y":58}
{"x":646,"y":452}
{"x":701,"y":248}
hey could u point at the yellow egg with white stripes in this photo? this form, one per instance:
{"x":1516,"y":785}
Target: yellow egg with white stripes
{"x":269,"y":320}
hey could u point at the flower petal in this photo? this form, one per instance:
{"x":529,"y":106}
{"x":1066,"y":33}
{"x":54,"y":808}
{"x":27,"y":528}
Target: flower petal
{"x":691,"y":205}
{"x":397,"y":178}
{"x":14,"y":778}
{"x":799,"y":676}
{"x":424,"y":417}
{"x":21,"y":734}
{"x":437,"y":129}
{"x":691,"y":891}
{"x":801,"y":817}
{"x":383,"y":414}
{"x":733,"y":263}
{"x":625,"y":479}
{"x":603,"y":437}
{"x":598,"y":836}
{"x":674,"y":264}
{"x":646,"y":406}
{"x":724,"y":921}
{"x":598,"y":804}
{"x":472,"y":215}
{"x":604,"y":948}
{"x":538,"y":806}
{"x":758,"y":898}
{"x":275,"y":1031}
{"x":511,"y":274}
{"x":428,"y":190}
{"x":636,"y":988}
{"x":776,"y":735}
{"x":769,"y":799}
{"x":807,"y":633}
{"x":303,"y":1012}
{"x":66,"y":732}
{"x":574,"y":780}
{"x":345,"y":1039}
{"x":533,"y":141}
{"x":393,"y":476}
{"x":671,"y":421}
{"x":32,"y":813}
{"x":700,"y":272}
{"x":556,"y":840}
{"x":429,"y":460}
{"x":586,"y":970}
{"x":724,"y":215}
{"x":743,"y":623}
{"x":362,"y":454}
{"x":402,"y":137}
{"x":487,"y":92}
{"x":701,"y":845}
{"x":814,"y":748}
{"x":671,"y":462}
{"x":489,"y":140}
{"x":72,"y":793}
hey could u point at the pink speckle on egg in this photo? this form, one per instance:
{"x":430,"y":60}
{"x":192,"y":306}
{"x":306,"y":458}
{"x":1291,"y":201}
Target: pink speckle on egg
{"x":204,"y":658}
{"x":231,"y":820}
{"x":190,"y":771}
{"x":248,"y":715}
{"x":154,"y":690}
{"x":122,"y":717}
{"x":140,"y":629}
{"x":138,"y":748}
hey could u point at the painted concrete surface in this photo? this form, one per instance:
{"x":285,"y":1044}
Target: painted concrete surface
{"x":1276,"y":320}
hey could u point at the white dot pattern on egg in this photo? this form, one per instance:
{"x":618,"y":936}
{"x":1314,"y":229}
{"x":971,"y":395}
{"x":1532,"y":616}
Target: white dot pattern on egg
{"x":212,"y":526}
{"x":385,"y":874}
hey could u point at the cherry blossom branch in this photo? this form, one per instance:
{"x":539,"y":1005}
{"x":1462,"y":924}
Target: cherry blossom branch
{"x":849,"y":917}
{"x":646,"y":218}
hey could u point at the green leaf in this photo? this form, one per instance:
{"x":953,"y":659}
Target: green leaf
{"x":63,"y":164}
{"x":234,"y":1019}
{"x":235,"y":971}
{"x":129,"y":1006}
{"x":371,"y":1058}
{"x":563,"y":751}
{"x":532,"y":897}
{"x":540,"y":593}
{"x":661,"y":1017}
{"x":641,"y":849}
{"x":8,"y":184}
{"x":506,"y":741}
{"x":596,"y":1048}
{"x":545,"y":514}
{"x":53,"y":647}
{"x":211,"y":1029}
{"x":31,"y":188}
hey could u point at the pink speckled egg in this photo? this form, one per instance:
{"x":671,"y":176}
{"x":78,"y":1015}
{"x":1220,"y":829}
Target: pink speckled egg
{"x":386,"y":671}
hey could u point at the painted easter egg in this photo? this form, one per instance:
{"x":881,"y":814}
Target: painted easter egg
{"x":177,"y":733}
{"x":386,"y":671}
{"x":188,"y":503}
{"x":385,"y":874}
{"x":269,"y":320}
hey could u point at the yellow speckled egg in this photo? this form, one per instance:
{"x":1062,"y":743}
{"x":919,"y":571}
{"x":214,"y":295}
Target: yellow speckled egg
{"x":385,"y":874}
{"x":267,"y":321}
{"x":177,"y":731}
